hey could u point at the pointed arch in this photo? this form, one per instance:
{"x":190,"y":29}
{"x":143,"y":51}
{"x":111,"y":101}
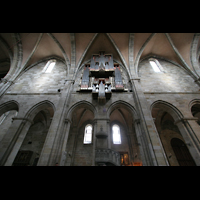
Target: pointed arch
{"x":40,"y":61}
{"x":176,"y":114}
{"x":86,"y":49}
{"x":10,"y":105}
{"x":178,"y":117}
{"x":136,"y":63}
{"x":5,"y":46}
{"x":194,"y":53}
{"x":83,"y":103}
{"x":119,"y":52}
{"x":61,"y":48}
{"x":38,"y":107}
{"x":33,"y":50}
{"x":124,"y":104}
{"x":96,"y":38}
{"x":185,"y":65}
{"x":17,"y":56}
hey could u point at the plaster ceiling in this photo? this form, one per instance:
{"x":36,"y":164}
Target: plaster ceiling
{"x":158,"y":45}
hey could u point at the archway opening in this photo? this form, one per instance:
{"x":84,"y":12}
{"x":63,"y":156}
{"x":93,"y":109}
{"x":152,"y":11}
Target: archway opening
{"x":123,"y":137}
{"x":8,"y":111}
{"x":4,"y":67}
{"x":182,"y":153}
{"x":196,"y":112}
{"x":79,"y":146}
{"x":169,"y":133}
{"x":31,"y":148}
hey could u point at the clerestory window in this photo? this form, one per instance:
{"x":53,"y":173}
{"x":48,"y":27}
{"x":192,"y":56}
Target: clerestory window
{"x":49,"y":66}
{"x":88,"y":134}
{"x":116,"y":134}
{"x":154,"y":66}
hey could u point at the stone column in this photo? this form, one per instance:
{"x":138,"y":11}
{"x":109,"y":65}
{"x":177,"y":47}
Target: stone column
{"x":61,"y":162}
{"x":50,"y":151}
{"x":94,"y":140}
{"x":154,"y":154}
{"x":13,"y":139}
{"x":141,"y":143}
{"x":190,"y":137}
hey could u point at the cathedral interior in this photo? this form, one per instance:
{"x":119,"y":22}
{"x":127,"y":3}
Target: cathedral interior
{"x":99,"y":99}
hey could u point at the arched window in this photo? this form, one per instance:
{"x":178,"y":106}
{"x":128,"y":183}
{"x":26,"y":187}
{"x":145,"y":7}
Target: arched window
{"x":49,"y":66}
{"x":88,"y":134}
{"x":154,"y":65}
{"x":116,"y":134}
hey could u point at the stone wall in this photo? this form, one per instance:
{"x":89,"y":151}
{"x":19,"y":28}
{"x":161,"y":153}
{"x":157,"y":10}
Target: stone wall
{"x":172,"y":85}
{"x":171,"y":79}
{"x":36,"y":81}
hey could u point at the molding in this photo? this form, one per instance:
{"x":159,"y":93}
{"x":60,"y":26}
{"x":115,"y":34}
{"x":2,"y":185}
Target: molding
{"x":136,"y":63}
{"x":67,"y":121}
{"x":55,"y":93}
{"x":62,"y":50}
{"x":22,"y":118}
{"x":73,"y":53}
{"x":185,"y":65}
{"x":171,"y":92}
{"x":85,"y":51}
{"x":134,"y":79}
{"x":33,"y":50}
{"x":194,"y":55}
{"x":131,"y":50}
{"x":118,"y":51}
{"x":185,"y":119}
{"x":7,"y":47}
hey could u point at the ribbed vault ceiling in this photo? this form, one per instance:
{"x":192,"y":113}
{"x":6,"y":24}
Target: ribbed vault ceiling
{"x":37,"y":46}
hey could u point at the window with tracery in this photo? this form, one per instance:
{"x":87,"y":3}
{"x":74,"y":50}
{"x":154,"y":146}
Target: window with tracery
{"x":88,"y":134}
{"x":116,"y":134}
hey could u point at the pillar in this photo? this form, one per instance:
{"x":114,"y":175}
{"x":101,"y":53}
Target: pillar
{"x":190,"y":137}
{"x":13,"y":139}
{"x":153,"y":152}
{"x":51,"y":151}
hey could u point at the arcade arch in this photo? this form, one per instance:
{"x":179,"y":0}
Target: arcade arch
{"x":170,"y":127}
